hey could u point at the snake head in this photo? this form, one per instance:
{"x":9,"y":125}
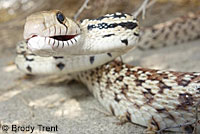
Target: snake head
{"x":50,"y":29}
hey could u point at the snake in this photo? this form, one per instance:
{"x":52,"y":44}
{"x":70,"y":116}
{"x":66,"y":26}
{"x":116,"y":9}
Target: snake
{"x":86,"y":51}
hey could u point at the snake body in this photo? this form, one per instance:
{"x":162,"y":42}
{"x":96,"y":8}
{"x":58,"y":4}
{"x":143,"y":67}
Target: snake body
{"x":157,"y":99}
{"x":173,"y":32}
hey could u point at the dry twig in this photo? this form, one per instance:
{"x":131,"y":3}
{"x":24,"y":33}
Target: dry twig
{"x":197,"y":117}
{"x":85,"y":5}
{"x":146,"y":4}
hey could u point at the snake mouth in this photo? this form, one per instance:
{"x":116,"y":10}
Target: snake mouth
{"x":58,"y":37}
{"x":48,"y":44}
{"x":63,"y":37}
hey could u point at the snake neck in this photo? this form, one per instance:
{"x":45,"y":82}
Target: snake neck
{"x":118,"y":32}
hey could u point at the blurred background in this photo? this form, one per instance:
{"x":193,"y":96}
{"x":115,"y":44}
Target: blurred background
{"x":14,"y":12}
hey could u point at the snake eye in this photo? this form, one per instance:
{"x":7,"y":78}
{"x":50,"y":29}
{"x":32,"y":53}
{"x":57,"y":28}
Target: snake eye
{"x":60,"y":17}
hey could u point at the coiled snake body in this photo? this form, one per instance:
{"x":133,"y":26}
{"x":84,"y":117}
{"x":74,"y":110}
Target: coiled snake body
{"x":156,"y":99}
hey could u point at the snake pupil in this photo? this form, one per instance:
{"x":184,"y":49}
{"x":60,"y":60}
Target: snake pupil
{"x":60,"y":17}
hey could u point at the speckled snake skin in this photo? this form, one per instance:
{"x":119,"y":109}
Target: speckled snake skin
{"x":156,"y":99}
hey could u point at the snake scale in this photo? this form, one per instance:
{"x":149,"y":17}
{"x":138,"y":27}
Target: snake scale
{"x":156,"y":99}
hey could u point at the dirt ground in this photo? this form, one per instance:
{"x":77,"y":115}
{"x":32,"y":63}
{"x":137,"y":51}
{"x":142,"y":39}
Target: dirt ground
{"x":50,"y":101}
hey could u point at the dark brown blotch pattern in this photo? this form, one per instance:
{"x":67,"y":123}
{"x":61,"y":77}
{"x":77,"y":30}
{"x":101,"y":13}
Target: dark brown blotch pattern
{"x":185,"y":100}
{"x":116,"y":98}
{"x":165,"y":111}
